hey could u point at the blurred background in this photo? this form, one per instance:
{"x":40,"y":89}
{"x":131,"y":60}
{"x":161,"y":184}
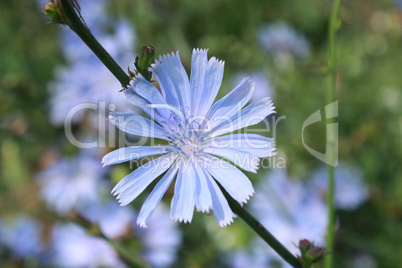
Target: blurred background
{"x":50,"y":189}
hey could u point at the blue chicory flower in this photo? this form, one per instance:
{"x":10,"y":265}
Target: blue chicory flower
{"x":302,"y":211}
{"x":73,"y":247}
{"x":161,"y":240}
{"x":184,"y":116}
{"x":113,"y":220}
{"x":280,"y":38}
{"x":350,"y":189}
{"x":22,"y":235}
{"x":72,"y":182}
{"x":291,"y":210}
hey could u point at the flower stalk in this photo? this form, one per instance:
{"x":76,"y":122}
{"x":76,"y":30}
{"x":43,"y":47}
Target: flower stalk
{"x":334,"y":25}
{"x":67,"y":12}
{"x":261,"y":231}
{"x":94,"y":230}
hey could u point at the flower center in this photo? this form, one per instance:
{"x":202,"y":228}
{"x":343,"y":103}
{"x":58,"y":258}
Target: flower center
{"x":187,"y":139}
{"x":184,"y":144}
{"x":188,"y":149}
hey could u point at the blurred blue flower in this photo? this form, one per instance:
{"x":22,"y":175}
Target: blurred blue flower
{"x":85,"y":79}
{"x":73,"y":247}
{"x":22,"y":236}
{"x":73,"y":182}
{"x":113,"y":220}
{"x":159,"y":242}
{"x":248,"y":258}
{"x":364,"y":260}
{"x":185,"y":119}
{"x":290,"y":211}
{"x":293,"y":211}
{"x":263,"y":87}
{"x":398,"y":3}
{"x":161,"y":239}
{"x":350,"y":189}
{"x":280,"y":38}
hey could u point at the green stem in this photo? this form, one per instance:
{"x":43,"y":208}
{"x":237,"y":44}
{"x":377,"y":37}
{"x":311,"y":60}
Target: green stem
{"x":77,"y":25}
{"x":125,"y":254}
{"x":261,"y":231}
{"x":331,"y":76}
{"x":94,"y":230}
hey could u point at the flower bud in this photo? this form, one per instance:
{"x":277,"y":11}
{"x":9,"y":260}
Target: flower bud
{"x":315,"y":254}
{"x":144,"y":61}
{"x":310,"y":254}
{"x":304,"y":245}
{"x":52,"y":10}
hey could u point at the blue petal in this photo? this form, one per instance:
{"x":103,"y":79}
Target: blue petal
{"x":135,"y":183}
{"x":229,"y":105}
{"x":137,"y":125}
{"x":143,"y":104}
{"x":203,"y":201}
{"x":253,"y":143}
{"x":133,"y":152}
{"x":251,"y":115}
{"x":199,"y":61}
{"x":155,"y":197}
{"x":244,"y":160}
{"x":149,"y":92}
{"x":173,"y":80}
{"x":231,"y":178}
{"x":206,"y":79}
{"x":182,"y":206}
{"x":222,"y":212}
{"x":171,"y":108}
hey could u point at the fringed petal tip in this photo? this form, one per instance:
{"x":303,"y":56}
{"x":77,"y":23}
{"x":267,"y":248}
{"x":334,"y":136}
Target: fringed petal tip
{"x":104,"y":164}
{"x":270,"y":103}
{"x":105,"y":161}
{"x":162,"y":58}
{"x":132,"y":81}
{"x":123,"y":203}
{"x":130,"y":87}
{"x":142,"y":224}
{"x":249,"y":81}
{"x":273,"y":149}
{"x":204,"y":210}
{"x":112,"y":116}
{"x":114,"y":191}
{"x":247,"y":198}
{"x":214,"y":60}
{"x":227,"y":221}
{"x":200,"y":50}
{"x":255,"y":164}
{"x":182,"y":220}
{"x":167,"y":57}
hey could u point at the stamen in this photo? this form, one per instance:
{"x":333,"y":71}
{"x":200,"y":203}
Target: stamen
{"x":188,"y":135}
